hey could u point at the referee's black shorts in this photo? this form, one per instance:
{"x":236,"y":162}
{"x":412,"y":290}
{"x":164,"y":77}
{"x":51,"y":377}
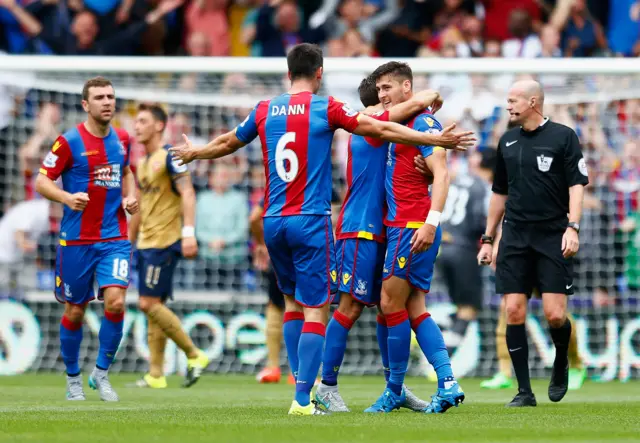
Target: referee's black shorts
{"x":459,"y":268}
{"x":530,"y":255}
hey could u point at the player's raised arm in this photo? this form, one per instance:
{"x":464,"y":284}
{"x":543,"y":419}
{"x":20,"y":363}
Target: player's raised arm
{"x":416,"y":104}
{"x":396,"y":133}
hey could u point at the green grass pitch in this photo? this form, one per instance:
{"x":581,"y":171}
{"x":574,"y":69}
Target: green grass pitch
{"x":233,"y":409}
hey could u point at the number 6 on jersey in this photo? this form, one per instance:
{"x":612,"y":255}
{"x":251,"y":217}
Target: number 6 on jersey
{"x":283,"y":154}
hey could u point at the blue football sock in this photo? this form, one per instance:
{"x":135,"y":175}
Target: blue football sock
{"x":432,"y":344}
{"x":382,"y":334}
{"x":335,"y":345}
{"x":109,"y":337}
{"x":310,"y":357}
{"x":291,"y":330}
{"x":70,"y":339}
{"x":399,"y":344}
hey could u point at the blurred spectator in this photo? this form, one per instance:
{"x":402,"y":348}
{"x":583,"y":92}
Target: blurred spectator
{"x":279,"y":26}
{"x":80,"y":38}
{"x":626,"y":181}
{"x":31,"y":153}
{"x":409,"y":31}
{"x":498,"y":16}
{"x":209,"y":18}
{"x":20,"y":229}
{"x":624,"y":27}
{"x":550,"y":42}
{"x":365,"y":17}
{"x":525,"y":42}
{"x":18,"y":24}
{"x":222,"y":230}
{"x":582,"y":36}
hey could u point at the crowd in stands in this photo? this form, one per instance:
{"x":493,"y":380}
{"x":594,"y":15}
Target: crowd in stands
{"x":30,"y":119}
{"x":350,"y":28}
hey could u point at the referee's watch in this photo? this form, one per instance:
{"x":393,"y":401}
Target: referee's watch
{"x":486,"y":239}
{"x":574,"y":226}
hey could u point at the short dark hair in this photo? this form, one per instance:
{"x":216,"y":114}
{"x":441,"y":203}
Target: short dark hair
{"x":157,"y":112}
{"x":395,"y":69}
{"x":368,"y":92}
{"x":96,"y":82}
{"x":304,"y":60}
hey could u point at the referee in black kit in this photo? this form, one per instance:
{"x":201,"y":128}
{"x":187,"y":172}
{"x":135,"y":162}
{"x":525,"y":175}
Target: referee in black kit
{"x":538,"y":187}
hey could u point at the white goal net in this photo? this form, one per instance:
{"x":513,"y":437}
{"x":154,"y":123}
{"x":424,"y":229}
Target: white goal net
{"x":221,"y":296}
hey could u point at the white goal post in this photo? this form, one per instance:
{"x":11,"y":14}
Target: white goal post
{"x":221,"y":301}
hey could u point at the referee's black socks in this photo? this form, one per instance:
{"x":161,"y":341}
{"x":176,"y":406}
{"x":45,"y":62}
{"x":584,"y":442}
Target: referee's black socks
{"x":519,"y":351}
{"x":561,"y":337}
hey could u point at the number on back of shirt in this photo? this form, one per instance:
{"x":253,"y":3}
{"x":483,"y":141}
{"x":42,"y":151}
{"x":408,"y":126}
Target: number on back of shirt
{"x":455,"y":209}
{"x":286,"y":159}
{"x":120,"y":268}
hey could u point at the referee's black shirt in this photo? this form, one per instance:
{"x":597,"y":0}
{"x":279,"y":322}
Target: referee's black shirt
{"x":535,"y":169}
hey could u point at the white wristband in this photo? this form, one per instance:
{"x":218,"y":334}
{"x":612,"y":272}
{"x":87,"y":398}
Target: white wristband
{"x":433,"y":218}
{"x":188,"y":231}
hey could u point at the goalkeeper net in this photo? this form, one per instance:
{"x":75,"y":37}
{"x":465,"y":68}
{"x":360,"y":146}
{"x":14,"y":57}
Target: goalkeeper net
{"x":221,"y":296}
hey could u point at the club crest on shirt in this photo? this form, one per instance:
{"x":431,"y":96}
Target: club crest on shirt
{"x":361,"y":287}
{"x":544,"y":162}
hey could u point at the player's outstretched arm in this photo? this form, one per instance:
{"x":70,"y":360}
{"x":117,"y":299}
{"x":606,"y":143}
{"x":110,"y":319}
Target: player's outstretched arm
{"x":396,"y":133}
{"x":416,"y":104}
{"x":48,"y":189}
{"x":221,"y":146}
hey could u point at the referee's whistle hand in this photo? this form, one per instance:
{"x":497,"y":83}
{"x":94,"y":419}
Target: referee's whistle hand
{"x":485,"y":256}
{"x":423,"y":238}
{"x":570,"y":243}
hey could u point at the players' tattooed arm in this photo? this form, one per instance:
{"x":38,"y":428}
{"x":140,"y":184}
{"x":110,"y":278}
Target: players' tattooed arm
{"x":221,"y":146}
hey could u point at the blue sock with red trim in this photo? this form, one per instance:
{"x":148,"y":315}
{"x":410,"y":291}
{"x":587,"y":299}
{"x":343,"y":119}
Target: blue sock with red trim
{"x":382,"y":334}
{"x":431,"y":342}
{"x":70,"y":339}
{"x":291,"y":330}
{"x":109,"y":337}
{"x":399,"y":346}
{"x":310,"y":356}
{"x":335,"y":346}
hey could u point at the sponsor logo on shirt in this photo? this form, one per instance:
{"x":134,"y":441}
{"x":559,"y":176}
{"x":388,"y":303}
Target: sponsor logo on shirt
{"x":107,"y":176}
{"x":345,"y":278}
{"x":50,"y":160}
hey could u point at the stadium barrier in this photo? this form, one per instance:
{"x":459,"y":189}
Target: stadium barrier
{"x":231,"y":330}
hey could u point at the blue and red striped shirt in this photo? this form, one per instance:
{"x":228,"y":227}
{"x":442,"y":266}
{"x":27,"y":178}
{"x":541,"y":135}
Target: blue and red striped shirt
{"x":408,"y":199}
{"x":96,"y":166}
{"x":364,"y":206}
{"x":296,"y":131}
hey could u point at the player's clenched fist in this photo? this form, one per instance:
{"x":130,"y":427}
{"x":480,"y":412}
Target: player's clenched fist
{"x":77,"y":201}
{"x":130,"y":204}
{"x":423,"y":238}
{"x":183,"y":153}
{"x":189,"y":247}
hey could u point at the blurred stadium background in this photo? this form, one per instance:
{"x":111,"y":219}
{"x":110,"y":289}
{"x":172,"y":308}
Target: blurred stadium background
{"x":210,"y":61}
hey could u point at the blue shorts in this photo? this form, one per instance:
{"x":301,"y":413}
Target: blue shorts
{"x":360,"y":264}
{"x":416,"y":269}
{"x":303,"y":257}
{"x":78,"y":267}
{"x":155,"y":270}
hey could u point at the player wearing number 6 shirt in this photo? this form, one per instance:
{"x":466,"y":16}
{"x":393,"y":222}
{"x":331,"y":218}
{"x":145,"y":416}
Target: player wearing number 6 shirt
{"x":93,"y":161}
{"x":296,"y":130}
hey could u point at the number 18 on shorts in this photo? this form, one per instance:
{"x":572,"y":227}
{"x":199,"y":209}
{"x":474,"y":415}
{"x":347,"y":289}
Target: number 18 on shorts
{"x":78,"y":267}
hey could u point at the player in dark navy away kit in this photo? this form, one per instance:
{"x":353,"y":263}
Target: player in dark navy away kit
{"x":361,"y":244}
{"x":296,"y":130}
{"x":93,"y":161}
{"x":538,"y":187}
